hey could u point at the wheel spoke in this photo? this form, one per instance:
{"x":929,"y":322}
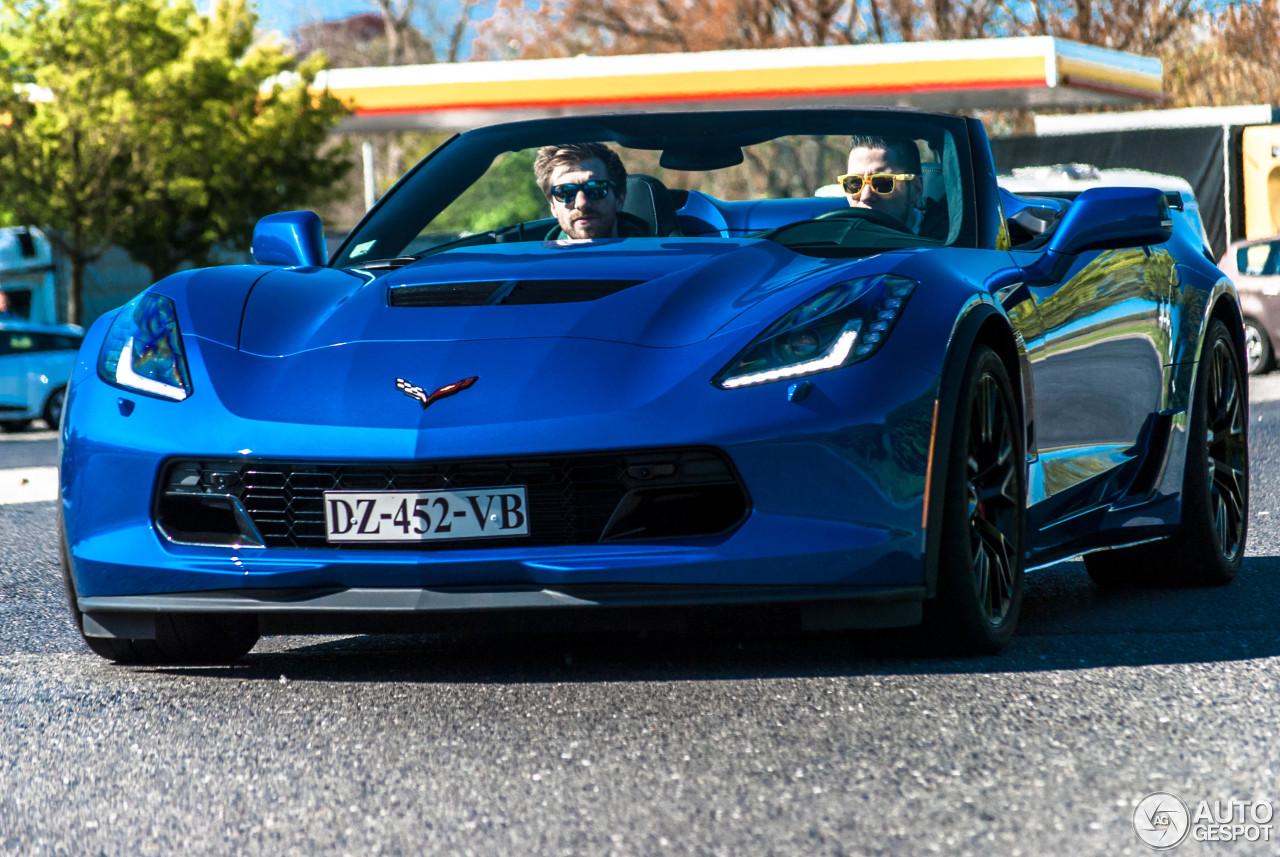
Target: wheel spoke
{"x":1224,"y":391}
{"x":1227,"y":450}
{"x":1228,"y":498}
{"x":994,"y":499}
{"x":993,"y":569}
{"x":994,"y":478}
{"x":987,"y":403}
{"x":1229,"y":479}
{"x":1222,"y":527}
{"x":982,"y":575}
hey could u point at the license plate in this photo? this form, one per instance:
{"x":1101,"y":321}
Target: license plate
{"x":423,"y":516}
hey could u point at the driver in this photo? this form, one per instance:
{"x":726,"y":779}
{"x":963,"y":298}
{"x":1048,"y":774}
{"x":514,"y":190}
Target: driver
{"x":884,"y":175}
{"x":586,"y":185}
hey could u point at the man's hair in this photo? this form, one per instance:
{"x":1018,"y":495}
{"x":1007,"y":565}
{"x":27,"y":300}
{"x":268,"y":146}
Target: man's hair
{"x":551,"y":158}
{"x":903,"y":153}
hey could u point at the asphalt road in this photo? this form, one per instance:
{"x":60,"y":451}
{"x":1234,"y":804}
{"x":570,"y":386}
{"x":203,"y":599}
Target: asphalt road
{"x":743,"y":742}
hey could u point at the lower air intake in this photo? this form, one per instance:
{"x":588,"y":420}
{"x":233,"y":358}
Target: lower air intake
{"x":572,"y":499}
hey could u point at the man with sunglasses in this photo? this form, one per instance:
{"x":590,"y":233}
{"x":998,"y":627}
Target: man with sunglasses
{"x":884,"y":175}
{"x":586,"y":185}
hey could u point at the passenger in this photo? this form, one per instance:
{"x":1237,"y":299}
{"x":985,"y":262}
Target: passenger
{"x":586,"y":185}
{"x":884,"y":175}
{"x":5,"y":312}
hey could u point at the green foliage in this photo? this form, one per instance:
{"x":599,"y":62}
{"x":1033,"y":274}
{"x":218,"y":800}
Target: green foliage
{"x":506,"y":194}
{"x":144,"y":124}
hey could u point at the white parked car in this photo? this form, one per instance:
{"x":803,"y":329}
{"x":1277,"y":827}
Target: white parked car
{"x":1069,"y":180}
{"x":35,"y":362}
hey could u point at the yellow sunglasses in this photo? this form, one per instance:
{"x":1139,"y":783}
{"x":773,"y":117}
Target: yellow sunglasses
{"x":881,"y":183}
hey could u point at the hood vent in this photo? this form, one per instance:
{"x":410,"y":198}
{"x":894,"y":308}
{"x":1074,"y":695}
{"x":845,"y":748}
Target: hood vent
{"x":506,"y":292}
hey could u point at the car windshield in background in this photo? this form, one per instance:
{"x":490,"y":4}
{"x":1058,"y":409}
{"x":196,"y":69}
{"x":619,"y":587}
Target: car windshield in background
{"x":773,"y":175}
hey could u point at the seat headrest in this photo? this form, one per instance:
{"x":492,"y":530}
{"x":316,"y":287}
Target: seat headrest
{"x":649,"y":199}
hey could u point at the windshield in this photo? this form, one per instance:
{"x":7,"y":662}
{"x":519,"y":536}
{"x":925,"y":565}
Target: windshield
{"x":825,"y":183}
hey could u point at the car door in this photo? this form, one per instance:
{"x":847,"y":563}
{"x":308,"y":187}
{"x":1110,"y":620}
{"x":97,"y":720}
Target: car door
{"x":13,"y":372}
{"x":1100,"y":372}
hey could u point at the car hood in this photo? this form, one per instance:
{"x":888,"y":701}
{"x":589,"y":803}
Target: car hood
{"x":660,"y":293}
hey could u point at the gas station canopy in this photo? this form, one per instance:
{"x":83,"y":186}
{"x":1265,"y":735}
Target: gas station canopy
{"x":1038,"y":72}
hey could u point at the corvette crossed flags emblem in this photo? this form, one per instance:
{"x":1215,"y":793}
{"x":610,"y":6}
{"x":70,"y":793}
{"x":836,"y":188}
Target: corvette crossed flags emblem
{"x":444,"y":392}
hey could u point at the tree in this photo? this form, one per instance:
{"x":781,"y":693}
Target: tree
{"x":1233,"y":63}
{"x":400,"y":32}
{"x":1213,"y":52}
{"x":225,"y":149}
{"x":143,"y":124}
{"x":568,"y":27}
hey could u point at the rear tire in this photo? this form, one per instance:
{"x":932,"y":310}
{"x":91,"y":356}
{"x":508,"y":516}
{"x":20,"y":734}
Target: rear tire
{"x":983,"y":544}
{"x":52,"y":413}
{"x":193,"y":638}
{"x":1258,"y":356}
{"x":1207,"y":548}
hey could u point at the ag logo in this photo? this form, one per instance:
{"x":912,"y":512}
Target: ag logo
{"x":426,"y":399}
{"x":1161,"y":821}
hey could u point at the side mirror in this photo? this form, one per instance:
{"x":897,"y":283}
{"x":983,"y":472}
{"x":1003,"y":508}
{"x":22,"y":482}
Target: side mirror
{"x":291,"y":239}
{"x":1109,"y":218}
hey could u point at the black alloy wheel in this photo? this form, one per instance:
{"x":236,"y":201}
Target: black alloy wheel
{"x":993,"y":500}
{"x":1227,"y":450}
{"x":1207,"y":548}
{"x":980,"y":571}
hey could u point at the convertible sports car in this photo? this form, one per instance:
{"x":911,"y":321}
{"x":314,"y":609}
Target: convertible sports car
{"x":761,"y":396}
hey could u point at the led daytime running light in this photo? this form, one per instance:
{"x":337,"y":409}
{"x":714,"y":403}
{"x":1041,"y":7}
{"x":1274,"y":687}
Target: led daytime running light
{"x":848,"y":323}
{"x":127,"y":376}
{"x":143,"y":350}
{"x":833,"y":357}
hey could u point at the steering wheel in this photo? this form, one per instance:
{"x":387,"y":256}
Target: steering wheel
{"x":869,"y":214}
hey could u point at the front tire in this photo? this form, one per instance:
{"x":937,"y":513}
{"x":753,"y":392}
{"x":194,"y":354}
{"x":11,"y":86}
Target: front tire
{"x":983,"y":544}
{"x":180,"y":638}
{"x":1207,"y":548}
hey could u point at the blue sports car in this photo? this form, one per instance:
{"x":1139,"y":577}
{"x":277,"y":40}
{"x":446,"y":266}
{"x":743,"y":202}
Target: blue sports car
{"x":810,"y":361}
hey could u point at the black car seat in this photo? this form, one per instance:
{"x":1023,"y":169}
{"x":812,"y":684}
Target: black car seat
{"x":649,"y":200}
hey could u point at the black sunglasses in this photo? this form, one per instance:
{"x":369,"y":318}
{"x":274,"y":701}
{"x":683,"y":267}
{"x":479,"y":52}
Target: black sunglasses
{"x":594,"y":189}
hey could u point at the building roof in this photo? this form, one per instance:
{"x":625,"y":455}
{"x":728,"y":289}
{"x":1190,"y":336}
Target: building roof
{"x":1039,"y":72}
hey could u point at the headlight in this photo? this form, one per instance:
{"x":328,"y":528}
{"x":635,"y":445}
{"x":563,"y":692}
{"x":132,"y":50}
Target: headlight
{"x":843,"y":325}
{"x":143,"y":350}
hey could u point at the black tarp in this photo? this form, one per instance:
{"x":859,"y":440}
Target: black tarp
{"x":1195,"y":154}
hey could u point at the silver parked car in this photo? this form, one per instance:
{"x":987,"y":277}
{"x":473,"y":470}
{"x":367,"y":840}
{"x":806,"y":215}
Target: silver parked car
{"x":1254,"y":266}
{"x":35,"y":362}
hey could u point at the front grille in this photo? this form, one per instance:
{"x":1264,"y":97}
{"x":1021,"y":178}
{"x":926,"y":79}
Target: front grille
{"x":572,"y":499}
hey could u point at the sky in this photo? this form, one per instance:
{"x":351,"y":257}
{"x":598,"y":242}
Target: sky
{"x":287,"y":15}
